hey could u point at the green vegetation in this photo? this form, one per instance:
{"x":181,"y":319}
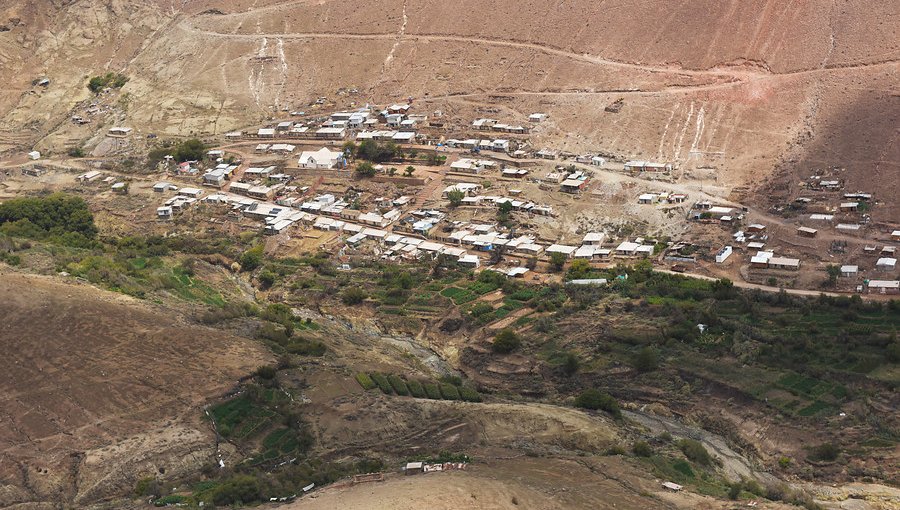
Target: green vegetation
{"x":365,"y":381}
{"x":455,"y":197}
{"x":111,"y":80}
{"x":353,"y":296}
{"x":446,"y":389}
{"x":597,"y":400}
{"x":506,"y":341}
{"x":557,"y":261}
{"x":187,"y":150}
{"x":58,"y":218}
{"x":695,"y":452}
{"x":366,"y":169}
{"x":642,"y":449}
{"x":377,"y":152}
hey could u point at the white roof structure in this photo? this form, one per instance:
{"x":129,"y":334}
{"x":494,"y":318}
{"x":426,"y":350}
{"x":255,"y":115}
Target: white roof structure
{"x":884,"y":284}
{"x":886,"y":262}
{"x":561,"y":248}
{"x":849,"y":269}
{"x":627,"y":247}
{"x":322,"y":158}
{"x":593,"y":238}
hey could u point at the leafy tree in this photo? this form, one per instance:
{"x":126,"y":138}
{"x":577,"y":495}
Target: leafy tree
{"x":189,"y":150}
{"x":646,"y":360}
{"x":252,"y":258}
{"x":455,"y":197}
{"x":408,"y":171}
{"x":505,"y":207}
{"x":580,"y":268}
{"x":557,"y":260}
{"x":642,"y":449}
{"x":506,"y":341}
{"x":827,"y":452}
{"x":392,"y":171}
{"x":695,"y":452}
{"x":112,"y":80}
{"x":353,"y":296}
{"x":833,"y":272}
{"x":597,"y":400}
{"x":378,"y":152}
{"x":570,"y":364}
{"x":366,"y":169}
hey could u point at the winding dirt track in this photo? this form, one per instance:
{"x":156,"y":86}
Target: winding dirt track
{"x":721,"y":77}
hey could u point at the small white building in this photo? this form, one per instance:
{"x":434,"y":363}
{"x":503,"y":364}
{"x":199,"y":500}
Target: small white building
{"x":323,"y":158}
{"x":723,"y":254}
{"x":886,"y":264}
{"x":849,"y":271}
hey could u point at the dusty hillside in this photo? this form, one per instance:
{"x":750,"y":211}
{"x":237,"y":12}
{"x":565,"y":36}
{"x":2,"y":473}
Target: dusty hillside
{"x":736,"y":87}
{"x":99,"y":391}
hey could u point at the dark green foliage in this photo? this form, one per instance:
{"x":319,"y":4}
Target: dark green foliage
{"x":252,"y":258}
{"x":826,"y":452}
{"x":377,"y":152}
{"x":382,"y":383}
{"x":695,"y":452}
{"x":569,"y":364}
{"x":266,"y":372}
{"x":416,"y":389}
{"x":642,"y":449}
{"x":557,"y":261}
{"x":238,"y":490}
{"x":353,"y":296}
{"x":111,"y":80}
{"x":398,"y":384}
{"x":75,"y":152}
{"x":432,"y":391}
{"x":646,"y":360}
{"x":449,"y":391}
{"x":58,"y":218}
{"x":189,"y":150}
{"x":506,"y":341}
{"x":266,"y":278}
{"x":597,"y":400}
{"x":365,"y":169}
{"x":469,"y":394}
{"x":455,"y":197}
{"x":365,"y":381}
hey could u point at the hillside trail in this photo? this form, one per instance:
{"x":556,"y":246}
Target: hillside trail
{"x":724,"y":75}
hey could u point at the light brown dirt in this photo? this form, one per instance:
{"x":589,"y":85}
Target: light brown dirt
{"x":99,"y":390}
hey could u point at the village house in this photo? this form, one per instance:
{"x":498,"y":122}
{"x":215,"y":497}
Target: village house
{"x":537,"y":117}
{"x":119,"y":132}
{"x":331,"y":133}
{"x":323,"y":158}
{"x":884,"y":287}
{"x":265,"y":133}
{"x":572,"y":185}
{"x":886,"y":264}
{"x":849,"y":271}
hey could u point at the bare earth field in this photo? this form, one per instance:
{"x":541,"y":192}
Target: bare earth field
{"x":99,"y":390}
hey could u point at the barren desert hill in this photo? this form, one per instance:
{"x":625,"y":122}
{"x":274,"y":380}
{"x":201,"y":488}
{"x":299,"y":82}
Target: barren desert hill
{"x":733,"y":89}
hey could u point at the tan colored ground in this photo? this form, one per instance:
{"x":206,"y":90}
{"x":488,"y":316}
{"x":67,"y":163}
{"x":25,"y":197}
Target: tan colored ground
{"x":735,"y":88}
{"x":523,"y":482}
{"x":99,"y":390}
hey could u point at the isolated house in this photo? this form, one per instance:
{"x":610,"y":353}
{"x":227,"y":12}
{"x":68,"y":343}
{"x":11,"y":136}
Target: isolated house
{"x":807,"y":232}
{"x":849,"y":271}
{"x":886,"y":264}
{"x":884,"y":287}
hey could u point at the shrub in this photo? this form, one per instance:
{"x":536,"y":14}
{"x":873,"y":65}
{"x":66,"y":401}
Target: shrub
{"x":365,"y":169}
{"x":382,"y":383}
{"x":112,"y":80}
{"x":646,"y":360}
{"x":569,"y":364}
{"x":506,"y":341}
{"x":267,"y":372}
{"x":432,"y":391}
{"x":557,"y":261}
{"x":398,"y":384}
{"x":827,"y":452}
{"x":266,"y":278}
{"x":615,"y":450}
{"x":365,"y":381}
{"x":252,"y":258}
{"x":597,"y":400}
{"x":449,"y":391}
{"x":695,"y":452}
{"x":305,"y":347}
{"x":240,"y":489}
{"x":353,"y":296}
{"x":416,"y":389}
{"x":469,"y":394}
{"x":642,"y":449}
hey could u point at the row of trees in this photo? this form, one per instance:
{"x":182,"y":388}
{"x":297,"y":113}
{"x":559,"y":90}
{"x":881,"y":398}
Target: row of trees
{"x":59,"y":217}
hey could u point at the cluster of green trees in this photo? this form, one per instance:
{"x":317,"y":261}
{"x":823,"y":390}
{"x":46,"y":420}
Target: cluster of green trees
{"x":58,"y":218}
{"x":111,"y":80}
{"x":379,"y":152}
